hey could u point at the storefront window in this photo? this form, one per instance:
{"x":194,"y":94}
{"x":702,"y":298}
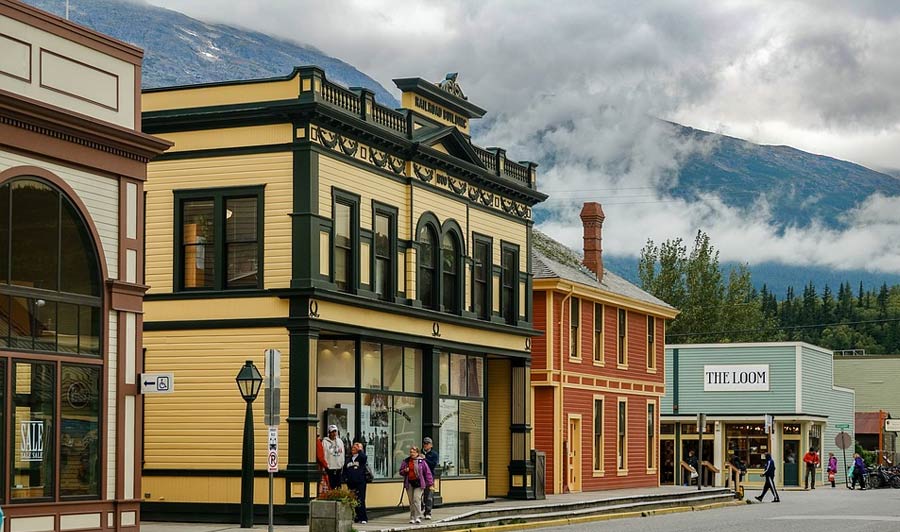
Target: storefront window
{"x":336,"y":363}
{"x":667,"y":428}
{"x":407,"y":413}
{"x":46,"y":256}
{"x":79,"y":460}
{"x":691,"y":428}
{"x":338,"y":408}
{"x":462,"y":415}
{"x":34,"y":387}
{"x":749,"y":442}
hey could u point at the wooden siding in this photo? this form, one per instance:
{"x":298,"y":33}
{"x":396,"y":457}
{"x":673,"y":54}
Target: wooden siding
{"x":370,"y":186}
{"x":501,"y":229}
{"x":274,"y":170}
{"x":820,"y":397}
{"x":99,"y":194}
{"x":498,"y":415}
{"x":221,"y":95}
{"x":543,"y":429}
{"x":229,"y":138}
{"x":539,"y":318}
{"x":444,"y":208}
{"x":868,"y":377}
{"x":200,"y":425}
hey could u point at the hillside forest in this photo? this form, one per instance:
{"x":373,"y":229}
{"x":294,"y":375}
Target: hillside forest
{"x":725,"y":307}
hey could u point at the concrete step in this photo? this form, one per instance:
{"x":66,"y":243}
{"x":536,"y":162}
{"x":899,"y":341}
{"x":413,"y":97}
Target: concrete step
{"x":512,"y":515}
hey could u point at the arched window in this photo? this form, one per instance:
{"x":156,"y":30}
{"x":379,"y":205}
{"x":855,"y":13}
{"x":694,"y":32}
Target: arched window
{"x":428,"y":266}
{"x":50,"y":280}
{"x":450,"y":269}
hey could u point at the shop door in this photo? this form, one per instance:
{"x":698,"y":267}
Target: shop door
{"x":574,"y":458}
{"x":667,"y":456}
{"x":708,"y":456}
{"x":790,"y":448}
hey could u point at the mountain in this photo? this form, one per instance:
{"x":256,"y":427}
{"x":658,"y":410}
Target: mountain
{"x":798,"y":186}
{"x":180,"y":50}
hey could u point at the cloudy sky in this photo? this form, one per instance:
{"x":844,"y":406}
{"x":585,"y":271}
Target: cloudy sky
{"x":823,"y":76}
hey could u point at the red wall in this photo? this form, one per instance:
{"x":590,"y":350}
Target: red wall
{"x":580,"y":400}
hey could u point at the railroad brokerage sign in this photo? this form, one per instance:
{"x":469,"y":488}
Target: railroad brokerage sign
{"x":736,"y":378}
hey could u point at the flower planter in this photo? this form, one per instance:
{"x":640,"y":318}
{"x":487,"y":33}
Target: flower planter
{"x":330,"y":516}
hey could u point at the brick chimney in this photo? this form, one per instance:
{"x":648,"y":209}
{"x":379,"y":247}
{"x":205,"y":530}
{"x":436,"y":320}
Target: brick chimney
{"x":592,"y":218}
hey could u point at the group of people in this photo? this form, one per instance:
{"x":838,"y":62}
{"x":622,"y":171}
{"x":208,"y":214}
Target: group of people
{"x":354,"y":471}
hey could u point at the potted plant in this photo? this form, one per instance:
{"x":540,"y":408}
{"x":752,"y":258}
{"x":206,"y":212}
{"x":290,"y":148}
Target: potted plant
{"x":333,"y":511}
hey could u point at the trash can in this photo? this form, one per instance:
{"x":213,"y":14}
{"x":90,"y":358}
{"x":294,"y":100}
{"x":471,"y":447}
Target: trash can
{"x":539,"y":461}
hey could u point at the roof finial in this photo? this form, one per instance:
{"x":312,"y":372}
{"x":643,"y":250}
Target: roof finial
{"x":449,"y":85}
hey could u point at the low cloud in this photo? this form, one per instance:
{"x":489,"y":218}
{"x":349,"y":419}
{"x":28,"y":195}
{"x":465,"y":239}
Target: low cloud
{"x":579,"y":87}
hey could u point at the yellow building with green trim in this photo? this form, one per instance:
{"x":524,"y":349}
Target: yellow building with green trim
{"x":380,"y":250}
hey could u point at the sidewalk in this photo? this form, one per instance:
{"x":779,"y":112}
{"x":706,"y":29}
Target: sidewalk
{"x":401,"y":518}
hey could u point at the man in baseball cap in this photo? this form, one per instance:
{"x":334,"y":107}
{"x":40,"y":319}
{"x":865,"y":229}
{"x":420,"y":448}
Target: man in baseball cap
{"x":334,"y":456}
{"x":431,"y":458}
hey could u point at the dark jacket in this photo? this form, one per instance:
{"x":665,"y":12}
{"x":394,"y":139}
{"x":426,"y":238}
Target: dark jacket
{"x":431,"y":458}
{"x":693,"y":462}
{"x":769,"y":467}
{"x":355,"y":469}
{"x":423,"y":474}
{"x":860,"y":466}
{"x":738,"y":464}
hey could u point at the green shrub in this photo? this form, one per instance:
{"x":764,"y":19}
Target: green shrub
{"x":341,"y":494}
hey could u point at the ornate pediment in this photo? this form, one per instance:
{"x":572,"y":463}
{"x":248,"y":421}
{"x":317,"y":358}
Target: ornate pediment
{"x":450,"y":85}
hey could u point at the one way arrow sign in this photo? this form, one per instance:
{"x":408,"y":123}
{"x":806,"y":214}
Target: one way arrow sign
{"x":157,"y":382}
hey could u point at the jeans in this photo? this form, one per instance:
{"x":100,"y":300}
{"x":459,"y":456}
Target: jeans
{"x":428,"y":501}
{"x":334,"y":478}
{"x":810,"y":476}
{"x":415,"y":502}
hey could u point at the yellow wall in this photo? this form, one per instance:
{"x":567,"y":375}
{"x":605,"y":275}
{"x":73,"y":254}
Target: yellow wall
{"x":207,"y":489}
{"x":462,"y":490}
{"x":216,"y":309}
{"x":200,"y":425}
{"x":274,"y":170}
{"x":501,"y":229}
{"x":351,"y":315}
{"x":369,"y":185}
{"x":230,"y":138}
{"x":221,"y":95}
{"x":498,"y":375}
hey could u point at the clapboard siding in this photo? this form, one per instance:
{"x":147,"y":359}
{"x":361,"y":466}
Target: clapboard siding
{"x":369,"y":186}
{"x":200,"y":425}
{"x":781,"y":396}
{"x":100,"y":195}
{"x":500,"y":229}
{"x":821,"y":398}
{"x":543,"y":430}
{"x":873,"y":378}
{"x":498,"y":416}
{"x":539,"y":343}
{"x":444,"y":208}
{"x":274,"y":170}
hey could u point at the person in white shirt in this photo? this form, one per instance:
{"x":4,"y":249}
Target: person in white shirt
{"x":334,"y":456}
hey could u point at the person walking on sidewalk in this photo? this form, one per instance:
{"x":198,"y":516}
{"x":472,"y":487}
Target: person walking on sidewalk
{"x":416,"y":477}
{"x":355,"y":476}
{"x":431,"y":458}
{"x":334,"y":456}
{"x":859,"y":472}
{"x":832,"y":468}
{"x":811,"y":459}
{"x":769,"y":474}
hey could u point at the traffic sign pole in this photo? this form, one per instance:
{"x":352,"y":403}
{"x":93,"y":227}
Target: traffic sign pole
{"x":272,"y":413}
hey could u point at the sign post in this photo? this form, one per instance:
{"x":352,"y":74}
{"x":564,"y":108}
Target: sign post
{"x":843,"y":441}
{"x":272,"y":418}
{"x":701,"y":427}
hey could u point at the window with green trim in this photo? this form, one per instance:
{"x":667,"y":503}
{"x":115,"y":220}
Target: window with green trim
{"x":219,"y":239}
{"x":481,"y":278}
{"x":509,"y":283}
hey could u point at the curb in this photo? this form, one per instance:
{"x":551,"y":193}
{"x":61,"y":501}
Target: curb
{"x":593,"y":518}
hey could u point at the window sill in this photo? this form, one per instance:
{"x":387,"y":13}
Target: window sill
{"x":575,"y":359}
{"x":622,"y":366}
{"x":651,"y":470}
{"x":621,"y":472}
{"x":651,"y":370}
{"x":598,"y":474}
{"x":599,"y":364}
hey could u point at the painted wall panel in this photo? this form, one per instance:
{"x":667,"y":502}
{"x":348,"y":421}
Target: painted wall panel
{"x":873,"y":378}
{"x":69,"y":75}
{"x":200,"y":426}
{"x":274,"y":170}
{"x":503,"y":229}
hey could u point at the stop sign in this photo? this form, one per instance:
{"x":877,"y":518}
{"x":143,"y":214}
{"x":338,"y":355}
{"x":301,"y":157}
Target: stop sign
{"x":843,"y":440}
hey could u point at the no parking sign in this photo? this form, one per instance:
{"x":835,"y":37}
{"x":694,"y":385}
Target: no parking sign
{"x":272,"y":460}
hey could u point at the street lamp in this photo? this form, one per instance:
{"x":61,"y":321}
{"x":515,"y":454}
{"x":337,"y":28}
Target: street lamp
{"x":249,"y":381}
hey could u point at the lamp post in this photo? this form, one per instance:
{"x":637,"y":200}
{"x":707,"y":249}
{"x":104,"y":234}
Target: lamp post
{"x":249,"y":382}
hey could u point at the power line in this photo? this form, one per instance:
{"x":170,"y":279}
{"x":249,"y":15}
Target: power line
{"x":784,"y":328}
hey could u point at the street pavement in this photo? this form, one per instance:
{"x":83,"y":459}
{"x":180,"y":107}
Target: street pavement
{"x":821,"y":510}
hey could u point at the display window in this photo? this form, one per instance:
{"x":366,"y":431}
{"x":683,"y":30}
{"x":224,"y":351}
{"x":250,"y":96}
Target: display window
{"x":749,"y":442}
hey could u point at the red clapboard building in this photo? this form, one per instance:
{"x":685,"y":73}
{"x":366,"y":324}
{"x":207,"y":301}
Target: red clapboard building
{"x":598,"y":371}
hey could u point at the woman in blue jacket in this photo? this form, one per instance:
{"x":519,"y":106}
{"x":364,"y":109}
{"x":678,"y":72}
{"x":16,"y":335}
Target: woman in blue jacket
{"x":355,"y":478}
{"x":859,"y":472}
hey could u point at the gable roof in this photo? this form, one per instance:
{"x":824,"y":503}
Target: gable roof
{"x":553,"y":260}
{"x":454,"y":142}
